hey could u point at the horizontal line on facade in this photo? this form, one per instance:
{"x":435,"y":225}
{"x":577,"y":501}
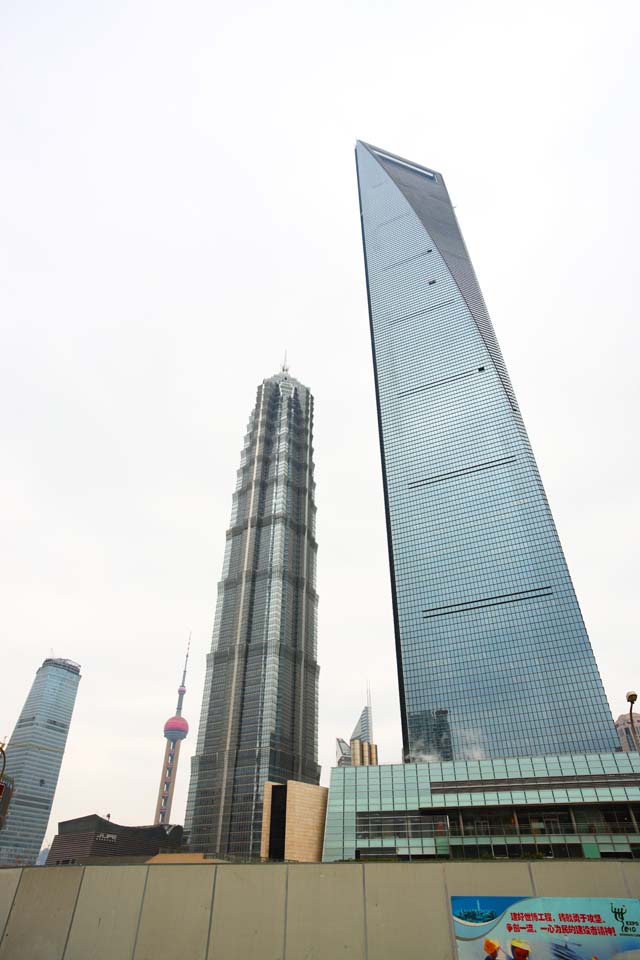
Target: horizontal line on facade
{"x":500,"y":596}
{"x":298,"y":526}
{"x":399,"y":263}
{"x":533,"y":782}
{"x":484,"y":606}
{"x":421,"y":313}
{"x":439,"y":383}
{"x":463,"y":472}
{"x":402,"y":216}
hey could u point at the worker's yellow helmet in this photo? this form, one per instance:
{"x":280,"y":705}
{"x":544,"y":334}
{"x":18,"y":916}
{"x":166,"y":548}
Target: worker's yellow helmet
{"x":490,"y":945}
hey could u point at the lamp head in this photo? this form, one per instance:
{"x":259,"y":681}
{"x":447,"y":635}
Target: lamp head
{"x":632,"y":696}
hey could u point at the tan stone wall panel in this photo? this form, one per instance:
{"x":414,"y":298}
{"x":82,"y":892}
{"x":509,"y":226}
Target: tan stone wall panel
{"x":604,"y":878}
{"x":325,"y":912}
{"x":631,"y":873}
{"x":498,"y":878}
{"x":407,"y":912}
{"x":39,"y":921}
{"x":9,"y":880}
{"x":106,"y":918}
{"x":175,"y":913}
{"x":248,"y":913}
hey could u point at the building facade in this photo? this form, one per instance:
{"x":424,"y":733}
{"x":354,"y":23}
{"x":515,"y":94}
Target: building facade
{"x":34,"y":756}
{"x":489,"y":636}
{"x":562,"y":807}
{"x":260,"y":704}
{"x":360,"y":749}
{"x":94,"y":840}
{"x":293,"y":822}
{"x":6,"y":790}
{"x":175,"y":731}
{"x":626,"y":732}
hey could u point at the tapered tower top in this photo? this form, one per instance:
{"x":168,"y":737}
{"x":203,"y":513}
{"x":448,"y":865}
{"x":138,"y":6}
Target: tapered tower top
{"x":177,"y":728}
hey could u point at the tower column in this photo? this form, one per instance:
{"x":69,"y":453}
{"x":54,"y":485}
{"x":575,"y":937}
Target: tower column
{"x":167,"y":782}
{"x":175,"y":731}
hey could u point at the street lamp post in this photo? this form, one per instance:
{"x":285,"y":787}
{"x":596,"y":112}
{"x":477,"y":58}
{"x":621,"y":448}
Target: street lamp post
{"x":632,"y":696}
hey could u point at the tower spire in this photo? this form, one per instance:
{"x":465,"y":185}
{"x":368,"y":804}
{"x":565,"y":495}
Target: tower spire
{"x":285,"y":365}
{"x":182,"y":688}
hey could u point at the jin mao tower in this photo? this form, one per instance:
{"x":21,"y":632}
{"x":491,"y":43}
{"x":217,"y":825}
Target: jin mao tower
{"x":260,"y":704}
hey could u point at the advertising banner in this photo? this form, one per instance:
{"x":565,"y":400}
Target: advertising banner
{"x":546,"y":928}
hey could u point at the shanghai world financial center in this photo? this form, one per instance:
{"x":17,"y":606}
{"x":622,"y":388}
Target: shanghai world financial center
{"x":491,"y":645}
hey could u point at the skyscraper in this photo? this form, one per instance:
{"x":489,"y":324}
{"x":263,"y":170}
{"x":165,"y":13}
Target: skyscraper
{"x":175,"y":730}
{"x":490,"y":640}
{"x":34,"y":756}
{"x":260,"y":704}
{"x":361,"y":750}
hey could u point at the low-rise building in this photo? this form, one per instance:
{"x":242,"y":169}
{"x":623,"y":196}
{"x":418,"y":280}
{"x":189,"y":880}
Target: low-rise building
{"x":571,"y":806}
{"x":94,"y":840}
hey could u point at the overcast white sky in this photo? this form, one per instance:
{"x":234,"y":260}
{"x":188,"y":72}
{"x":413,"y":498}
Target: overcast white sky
{"x":180,"y":205}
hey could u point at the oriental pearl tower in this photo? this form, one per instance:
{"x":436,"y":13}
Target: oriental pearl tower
{"x":175,"y":730}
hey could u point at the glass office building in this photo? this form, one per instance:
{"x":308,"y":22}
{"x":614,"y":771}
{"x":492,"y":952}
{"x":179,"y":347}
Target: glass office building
{"x":34,"y":756}
{"x":491,"y":645}
{"x":561,"y":807}
{"x":260,"y":705}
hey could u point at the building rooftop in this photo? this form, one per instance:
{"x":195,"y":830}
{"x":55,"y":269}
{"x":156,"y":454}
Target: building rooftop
{"x":69,"y":665}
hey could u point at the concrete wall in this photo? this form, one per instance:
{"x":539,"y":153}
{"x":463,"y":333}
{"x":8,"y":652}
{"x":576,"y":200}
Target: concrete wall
{"x":271,"y":911}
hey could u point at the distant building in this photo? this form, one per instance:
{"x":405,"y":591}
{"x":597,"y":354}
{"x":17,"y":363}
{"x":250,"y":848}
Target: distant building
{"x":363,"y":754}
{"x":175,"y":731}
{"x":34,"y":756}
{"x":95,"y":840}
{"x":625,"y":733}
{"x":6,"y":791}
{"x":360,"y":751}
{"x":581,"y":806}
{"x":363,"y":729}
{"x":343,"y":752}
{"x":293,"y":821}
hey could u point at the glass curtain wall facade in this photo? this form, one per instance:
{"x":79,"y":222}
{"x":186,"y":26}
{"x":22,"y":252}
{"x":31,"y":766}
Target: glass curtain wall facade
{"x":34,"y":756}
{"x":490,"y":640}
{"x":581,"y":806}
{"x":260,"y":706}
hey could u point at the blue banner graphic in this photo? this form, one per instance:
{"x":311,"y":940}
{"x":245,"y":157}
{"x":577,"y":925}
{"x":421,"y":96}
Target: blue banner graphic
{"x":546,"y":928}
